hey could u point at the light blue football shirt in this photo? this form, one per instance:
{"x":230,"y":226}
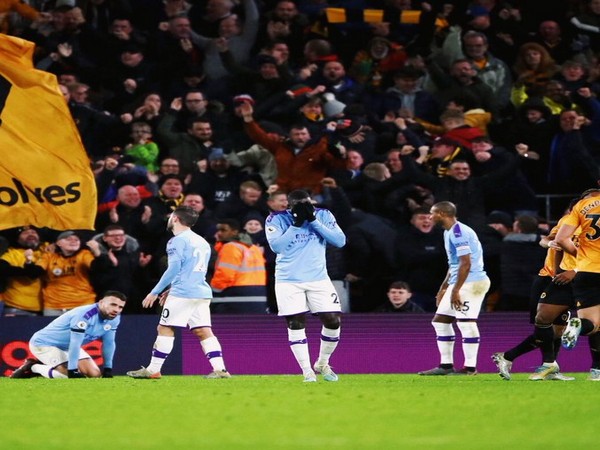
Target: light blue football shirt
{"x":301,"y":250}
{"x":78,"y":327}
{"x":462,"y":240}
{"x":188,"y":255}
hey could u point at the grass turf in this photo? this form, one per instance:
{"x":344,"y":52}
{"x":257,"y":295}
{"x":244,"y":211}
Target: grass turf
{"x":264,"y":412}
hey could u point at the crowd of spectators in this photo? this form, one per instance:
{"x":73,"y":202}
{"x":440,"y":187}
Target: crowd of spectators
{"x":227,"y":105}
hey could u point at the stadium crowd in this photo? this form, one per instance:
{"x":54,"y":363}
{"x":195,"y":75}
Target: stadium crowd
{"x":227,"y":106}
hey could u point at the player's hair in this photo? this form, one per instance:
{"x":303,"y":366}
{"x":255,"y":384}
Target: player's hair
{"x":117,"y":294}
{"x":420,"y":210}
{"x":587,"y":192}
{"x":250,"y":185}
{"x":187,"y":216}
{"x":297,"y":195}
{"x":446,"y":208}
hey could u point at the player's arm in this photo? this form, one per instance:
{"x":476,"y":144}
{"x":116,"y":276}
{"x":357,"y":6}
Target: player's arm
{"x":563,"y":238}
{"x":326,"y":226}
{"x":109,"y":346}
{"x":175,"y":258}
{"x":279,"y":235}
{"x":76,"y":337}
{"x":464,"y":266}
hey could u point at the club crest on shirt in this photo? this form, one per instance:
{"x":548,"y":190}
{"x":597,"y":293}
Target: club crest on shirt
{"x":270,"y":229}
{"x":107,"y":327}
{"x":82,"y":325}
{"x":57,"y":272}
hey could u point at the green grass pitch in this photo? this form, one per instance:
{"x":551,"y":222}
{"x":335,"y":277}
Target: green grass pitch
{"x":281,"y":412}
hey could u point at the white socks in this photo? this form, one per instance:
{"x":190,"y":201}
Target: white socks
{"x":299,"y":347}
{"x":212,"y":349}
{"x":445,"y":341}
{"x":162,"y":349}
{"x":329,"y":341}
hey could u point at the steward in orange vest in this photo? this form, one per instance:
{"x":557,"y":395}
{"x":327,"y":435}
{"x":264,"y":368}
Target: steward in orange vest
{"x":239,"y":282}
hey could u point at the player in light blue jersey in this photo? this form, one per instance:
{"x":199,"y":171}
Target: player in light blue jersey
{"x":57,"y":347}
{"x":187,"y":301}
{"x":461,"y":294}
{"x":299,"y":236}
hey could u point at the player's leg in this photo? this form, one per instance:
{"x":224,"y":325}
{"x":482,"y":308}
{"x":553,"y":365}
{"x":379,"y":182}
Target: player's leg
{"x":211,"y":347}
{"x":322,"y":298}
{"x":586,"y":293}
{"x":296,"y":325}
{"x":52,"y":361}
{"x":87,"y":365}
{"x":176,"y":313}
{"x":504,"y":360}
{"x":472,"y":295}
{"x":445,"y":336}
{"x":201,"y":325}
{"x":544,"y":335}
{"x":292,"y":304}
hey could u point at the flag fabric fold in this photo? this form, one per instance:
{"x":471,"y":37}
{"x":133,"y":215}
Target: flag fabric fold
{"x":45,"y":174}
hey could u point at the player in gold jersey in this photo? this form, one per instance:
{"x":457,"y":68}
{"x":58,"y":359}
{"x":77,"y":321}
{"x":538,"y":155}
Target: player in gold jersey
{"x":586,"y":284}
{"x":551,"y":298}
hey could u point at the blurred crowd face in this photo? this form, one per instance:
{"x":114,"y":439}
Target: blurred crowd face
{"x":460,"y":171}
{"x":549,"y":31}
{"x":115,"y":239}
{"x":29,"y":238}
{"x":172,"y":188}
{"x":131,"y":58}
{"x":180,"y":28}
{"x":250,"y":196}
{"x":69,"y":245}
{"x":230,"y":27}
{"x":278,"y":202}
{"x":299,"y":137}
{"x":194,"y":201}
{"x":422,"y":222}
{"x":268,"y":71}
{"x":121,"y":27}
{"x":354,"y":160}
{"x":463,"y":71}
{"x":129,"y":196}
{"x":393,"y":162}
{"x":334,"y":71}
{"x":201,"y":131}
{"x":169,"y":166}
{"x":280,"y":52}
{"x":253,"y":226}
{"x":475,"y":47}
{"x":285,"y":11}
{"x":195,"y":102}
{"x":398,"y":297}
{"x":225,"y":233}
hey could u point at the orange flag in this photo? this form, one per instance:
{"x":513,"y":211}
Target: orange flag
{"x":45,"y":174}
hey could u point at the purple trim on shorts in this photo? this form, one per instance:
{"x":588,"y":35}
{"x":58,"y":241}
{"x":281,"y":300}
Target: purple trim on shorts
{"x":157,"y":354}
{"x":329,"y":339}
{"x":215,"y":354}
{"x":301,"y":341}
{"x":50,"y":373}
{"x":303,"y":312}
{"x":201,"y":326}
{"x":446,"y":338}
{"x":471,"y":340}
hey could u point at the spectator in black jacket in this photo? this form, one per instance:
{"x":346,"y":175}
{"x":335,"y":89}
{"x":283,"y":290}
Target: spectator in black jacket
{"x":421,"y":258}
{"x":118,"y":267}
{"x":400,"y":300}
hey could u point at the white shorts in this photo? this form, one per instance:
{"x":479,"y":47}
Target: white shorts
{"x":471,"y":295}
{"x":313,"y":296}
{"x":54,"y":356}
{"x":184,"y":312}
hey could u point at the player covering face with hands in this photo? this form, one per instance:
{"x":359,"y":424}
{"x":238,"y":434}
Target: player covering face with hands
{"x":299,"y":236}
